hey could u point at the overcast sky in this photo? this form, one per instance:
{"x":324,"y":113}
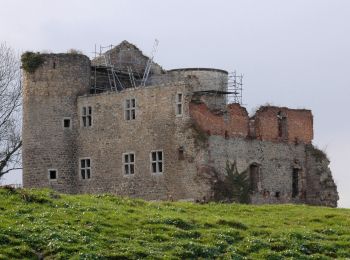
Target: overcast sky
{"x":293,"y":53}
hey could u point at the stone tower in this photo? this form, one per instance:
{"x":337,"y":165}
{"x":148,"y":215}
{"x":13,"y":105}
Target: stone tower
{"x":50,"y":119}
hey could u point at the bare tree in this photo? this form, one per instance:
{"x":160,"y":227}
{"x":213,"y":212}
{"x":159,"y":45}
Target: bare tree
{"x":10,"y":109}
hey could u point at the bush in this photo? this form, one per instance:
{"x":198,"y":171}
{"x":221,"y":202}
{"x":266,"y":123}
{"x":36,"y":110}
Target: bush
{"x":31,"y":61}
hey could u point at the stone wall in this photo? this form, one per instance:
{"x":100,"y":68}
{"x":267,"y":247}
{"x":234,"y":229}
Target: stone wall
{"x":49,"y":96}
{"x":156,"y":127}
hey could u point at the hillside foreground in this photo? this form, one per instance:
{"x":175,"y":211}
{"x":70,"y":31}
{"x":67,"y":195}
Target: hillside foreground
{"x":44,"y":224}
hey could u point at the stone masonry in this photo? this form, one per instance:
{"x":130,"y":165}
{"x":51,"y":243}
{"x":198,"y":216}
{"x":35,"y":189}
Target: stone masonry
{"x":168,"y":140}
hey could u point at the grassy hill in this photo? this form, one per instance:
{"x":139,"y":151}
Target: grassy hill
{"x":44,"y":224}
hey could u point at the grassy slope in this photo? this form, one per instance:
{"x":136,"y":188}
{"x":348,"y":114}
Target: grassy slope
{"x":43,"y":223}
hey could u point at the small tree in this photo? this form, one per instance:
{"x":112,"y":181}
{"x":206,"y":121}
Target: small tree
{"x":239,"y":183}
{"x":10,"y":104}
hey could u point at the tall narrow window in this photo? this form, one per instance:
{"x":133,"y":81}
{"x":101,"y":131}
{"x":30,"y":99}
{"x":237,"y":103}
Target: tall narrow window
{"x":85,"y":168}
{"x":129,"y":163}
{"x":254,"y":177}
{"x":130,"y":109}
{"x":179,"y":104}
{"x":282,"y":125}
{"x":87,"y":116}
{"x":295,"y":182}
{"x":157,"y":162}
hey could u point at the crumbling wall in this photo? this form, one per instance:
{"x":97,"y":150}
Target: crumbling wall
{"x":284,"y":124}
{"x":321,"y":187}
{"x":233,"y":121}
{"x":276,"y":162}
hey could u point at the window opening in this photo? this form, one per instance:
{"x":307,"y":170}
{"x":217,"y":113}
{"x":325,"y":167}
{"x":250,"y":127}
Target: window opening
{"x":129,"y":163}
{"x":53,"y":174}
{"x":157,"y":161}
{"x":87,"y":116}
{"x":295,"y":182}
{"x":179,"y":104}
{"x":130,"y":109}
{"x":85,"y":169}
{"x":254,"y":170}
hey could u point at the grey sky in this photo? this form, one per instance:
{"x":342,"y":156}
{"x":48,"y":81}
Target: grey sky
{"x":294,"y":53}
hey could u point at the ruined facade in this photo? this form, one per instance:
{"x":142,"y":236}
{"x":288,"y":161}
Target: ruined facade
{"x":170,"y":139}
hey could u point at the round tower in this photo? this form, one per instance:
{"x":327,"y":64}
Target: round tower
{"x":212,"y":83}
{"x":50,"y":120}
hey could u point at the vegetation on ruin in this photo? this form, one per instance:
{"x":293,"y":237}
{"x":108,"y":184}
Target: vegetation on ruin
{"x":36,"y":224}
{"x":234,"y":187}
{"x":31,"y":61}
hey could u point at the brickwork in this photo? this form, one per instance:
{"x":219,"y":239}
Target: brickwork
{"x":231,"y":122}
{"x":298,"y":128}
{"x":196,"y":144}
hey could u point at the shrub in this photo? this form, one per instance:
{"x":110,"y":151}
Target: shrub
{"x":31,"y":61}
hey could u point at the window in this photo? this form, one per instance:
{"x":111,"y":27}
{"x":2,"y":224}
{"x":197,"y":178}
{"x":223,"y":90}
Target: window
{"x":129,"y":163}
{"x":181,"y":155}
{"x":295,"y":182}
{"x":179,"y":104}
{"x":66,"y":122}
{"x":52,"y":174}
{"x":157,"y":162}
{"x":282,"y":125}
{"x":85,"y":168}
{"x":254,"y":177}
{"x":87,"y":116}
{"x":130,"y":109}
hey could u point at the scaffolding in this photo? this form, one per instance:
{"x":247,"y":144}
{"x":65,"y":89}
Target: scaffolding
{"x":235,"y":88}
{"x":120,"y":71}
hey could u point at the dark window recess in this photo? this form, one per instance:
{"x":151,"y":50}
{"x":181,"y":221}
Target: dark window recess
{"x":66,"y":123}
{"x":52,"y":174}
{"x":54,"y":65}
{"x":282,"y":125}
{"x":277,"y":194}
{"x":295,"y":182}
{"x":254,"y":177}
{"x":181,"y":153}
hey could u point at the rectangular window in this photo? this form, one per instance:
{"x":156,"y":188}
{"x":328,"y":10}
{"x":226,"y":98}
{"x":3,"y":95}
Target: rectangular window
{"x":87,"y":116}
{"x":66,"y":122}
{"x":85,"y":168}
{"x":52,"y":174}
{"x":178,"y":104}
{"x":157,"y":162}
{"x":129,"y":163}
{"x":130,"y":109}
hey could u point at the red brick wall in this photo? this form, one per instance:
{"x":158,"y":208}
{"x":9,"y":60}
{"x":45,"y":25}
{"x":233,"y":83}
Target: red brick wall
{"x":299,"y":124}
{"x":233,"y":123}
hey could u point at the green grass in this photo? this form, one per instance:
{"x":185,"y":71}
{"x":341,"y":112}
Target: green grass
{"x":42,"y":223}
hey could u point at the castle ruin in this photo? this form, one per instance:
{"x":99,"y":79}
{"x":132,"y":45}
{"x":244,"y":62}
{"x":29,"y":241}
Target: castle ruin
{"x":97,"y":126}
